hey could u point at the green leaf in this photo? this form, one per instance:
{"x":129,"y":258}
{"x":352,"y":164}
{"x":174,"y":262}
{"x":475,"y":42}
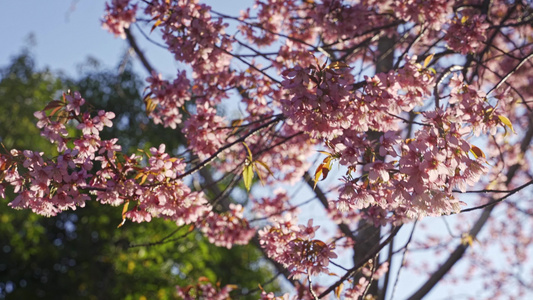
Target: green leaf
{"x":248,"y":175}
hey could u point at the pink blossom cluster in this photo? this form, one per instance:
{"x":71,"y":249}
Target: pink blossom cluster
{"x":168,"y":98}
{"x":271,"y":16}
{"x":433,"y":13}
{"x":295,"y":248}
{"x":420,"y":175}
{"x":227,"y":229}
{"x":320,"y":100}
{"x":466,"y":33}
{"x":413,"y":177}
{"x":206,"y":131}
{"x":358,"y":290}
{"x":392,"y":93}
{"x":204,"y":290}
{"x":49,"y":186}
{"x":45,"y":187}
{"x":272,"y":207}
{"x":468,"y":105}
{"x":154,"y":189}
{"x":323,"y":104}
{"x":271,"y":296}
{"x":335,"y":20}
{"x":119,"y":15}
{"x":194,"y":37}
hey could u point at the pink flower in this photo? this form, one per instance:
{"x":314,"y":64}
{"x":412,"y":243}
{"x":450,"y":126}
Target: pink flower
{"x":378,"y":171}
{"x":75,"y":101}
{"x":118,"y":16}
{"x":466,"y":34}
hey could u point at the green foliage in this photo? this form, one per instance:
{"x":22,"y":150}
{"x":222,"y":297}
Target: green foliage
{"x":81,"y":254}
{"x":22,"y":92}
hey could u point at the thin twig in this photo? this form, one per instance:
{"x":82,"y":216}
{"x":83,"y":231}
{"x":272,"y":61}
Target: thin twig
{"x":502,"y":81}
{"x":403,"y":261}
{"x":509,"y":193}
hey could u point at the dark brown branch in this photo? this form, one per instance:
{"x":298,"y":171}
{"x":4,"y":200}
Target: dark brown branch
{"x":453,"y":258}
{"x":361,"y":262}
{"x":140,"y":54}
{"x":491,"y":203}
{"x":416,"y":40}
{"x":404,"y":256}
{"x":345,"y":229}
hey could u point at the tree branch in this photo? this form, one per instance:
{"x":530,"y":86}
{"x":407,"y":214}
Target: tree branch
{"x":361,"y":262}
{"x":458,"y":253}
{"x":204,"y":172}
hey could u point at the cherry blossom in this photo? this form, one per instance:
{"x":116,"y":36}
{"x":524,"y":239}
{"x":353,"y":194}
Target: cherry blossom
{"x":406,"y":104}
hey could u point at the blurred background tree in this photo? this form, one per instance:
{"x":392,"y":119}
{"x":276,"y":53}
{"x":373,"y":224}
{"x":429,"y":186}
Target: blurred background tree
{"x":81,"y":254}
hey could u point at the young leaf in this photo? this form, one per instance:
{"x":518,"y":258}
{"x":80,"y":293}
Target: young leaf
{"x":506,"y":122}
{"x":318,"y":172}
{"x":325,"y":152}
{"x":254,"y":165}
{"x":157,"y":23}
{"x":477,"y":152}
{"x":325,"y":171}
{"x":150,"y":105}
{"x":55,"y":110}
{"x":428,"y":60}
{"x":249,"y":152}
{"x":235,"y":124}
{"x":124,"y":211}
{"x":143,"y":179}
{"x":338,"y":290}
{"x":338,"y":65}
{"x":248,"y":175}
{"x":467,"y":239}
{"x":54,"y":104}
{"x":322,"y":169}
{"x":266,"y":167}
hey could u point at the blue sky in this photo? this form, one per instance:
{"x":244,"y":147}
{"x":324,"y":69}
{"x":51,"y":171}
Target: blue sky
{"x":66,"y":33}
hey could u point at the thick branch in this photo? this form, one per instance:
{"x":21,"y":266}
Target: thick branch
{"x":345,"y":229}
{"x":362,"y":262}
{"x":140,"y":54}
